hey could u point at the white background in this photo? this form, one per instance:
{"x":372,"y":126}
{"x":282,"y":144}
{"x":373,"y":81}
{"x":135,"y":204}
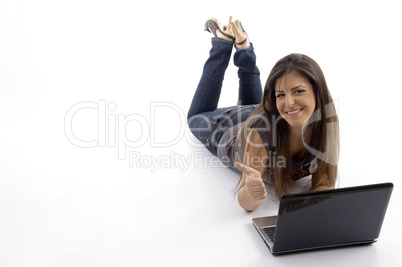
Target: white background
{"x":65,"y":205}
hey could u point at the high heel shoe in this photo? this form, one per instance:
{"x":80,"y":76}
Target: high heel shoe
{"x":240,"y":35}
{"x":212,"y":25}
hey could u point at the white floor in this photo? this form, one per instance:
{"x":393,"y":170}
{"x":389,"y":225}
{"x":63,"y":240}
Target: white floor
{"x":97,"y":167}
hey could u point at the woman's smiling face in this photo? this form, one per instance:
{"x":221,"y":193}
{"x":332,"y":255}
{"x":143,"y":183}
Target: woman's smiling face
{"x":295,"y":99}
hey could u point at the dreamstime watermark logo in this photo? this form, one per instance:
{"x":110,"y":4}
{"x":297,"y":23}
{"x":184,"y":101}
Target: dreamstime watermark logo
{"x":129,"y":132}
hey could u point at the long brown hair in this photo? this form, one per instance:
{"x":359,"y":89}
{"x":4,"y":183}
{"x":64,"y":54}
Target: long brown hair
{"x":324,"y":143}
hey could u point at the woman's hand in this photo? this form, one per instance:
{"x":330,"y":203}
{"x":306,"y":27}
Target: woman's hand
{"x":254,"y":185}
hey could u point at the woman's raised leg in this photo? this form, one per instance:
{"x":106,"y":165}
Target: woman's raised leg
{"x":208,"y":91}
{"x":250,"y":89}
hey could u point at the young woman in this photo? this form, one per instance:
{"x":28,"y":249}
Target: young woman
{"x":281,"y":135}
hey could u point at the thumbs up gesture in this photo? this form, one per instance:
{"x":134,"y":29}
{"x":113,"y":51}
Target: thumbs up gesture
{"x":254,"y":184}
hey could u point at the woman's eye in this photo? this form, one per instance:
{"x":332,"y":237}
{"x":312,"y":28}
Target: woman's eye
{"x":279,"y":95}
{"x":300,"y":91}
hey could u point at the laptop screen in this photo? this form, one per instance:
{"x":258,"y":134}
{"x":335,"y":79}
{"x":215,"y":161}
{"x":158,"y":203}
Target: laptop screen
{"x":333,"y":217}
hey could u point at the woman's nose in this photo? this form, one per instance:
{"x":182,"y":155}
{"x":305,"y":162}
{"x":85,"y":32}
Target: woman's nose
{"x":289,"y":100}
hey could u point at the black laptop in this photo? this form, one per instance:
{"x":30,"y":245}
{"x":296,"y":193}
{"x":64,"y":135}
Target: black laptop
{"x":326,"y":219}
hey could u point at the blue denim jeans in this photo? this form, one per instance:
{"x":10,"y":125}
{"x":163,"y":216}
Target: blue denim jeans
{"x":208,"y":122}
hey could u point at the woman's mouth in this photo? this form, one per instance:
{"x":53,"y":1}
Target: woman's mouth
{"x":294,"y":112}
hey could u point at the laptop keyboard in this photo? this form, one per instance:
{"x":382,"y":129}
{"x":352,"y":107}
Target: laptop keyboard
{"x":270,"y":231}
